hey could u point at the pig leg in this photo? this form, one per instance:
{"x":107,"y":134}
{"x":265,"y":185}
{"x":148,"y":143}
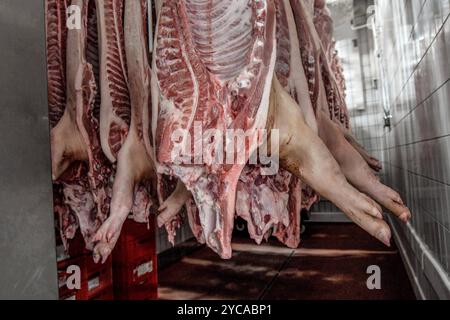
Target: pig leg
{"x":357,"y":171}
{"x":304,"y":154}
{"x":133,"y":165}
{"x":170,"y":208}
{"x":373,"y":162}
{"x":134,"y":162}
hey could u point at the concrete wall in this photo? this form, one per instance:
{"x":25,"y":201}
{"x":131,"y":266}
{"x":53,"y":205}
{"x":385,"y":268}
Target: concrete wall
{"x":27,"y":244}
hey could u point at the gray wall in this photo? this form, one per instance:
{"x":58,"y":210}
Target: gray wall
{"x":27,"y":245}
{"x":415,"y":40}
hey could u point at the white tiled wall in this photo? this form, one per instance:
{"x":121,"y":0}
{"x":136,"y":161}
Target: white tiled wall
{"x":414,"y":72}
{"x":415,"y":40}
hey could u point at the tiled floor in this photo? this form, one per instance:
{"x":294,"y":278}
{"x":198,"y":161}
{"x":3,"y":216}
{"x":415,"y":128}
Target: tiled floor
{"x":331,"y":263}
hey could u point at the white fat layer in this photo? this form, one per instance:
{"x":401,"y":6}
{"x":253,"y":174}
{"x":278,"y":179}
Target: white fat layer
{"x":297,"y":76}
{"x":158,"y":4}
{"x":195,"y":95}
{"x":155,"y":106}
{"x":263,"y":110}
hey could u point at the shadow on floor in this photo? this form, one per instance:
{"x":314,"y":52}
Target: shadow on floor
{"x":331,"y":263}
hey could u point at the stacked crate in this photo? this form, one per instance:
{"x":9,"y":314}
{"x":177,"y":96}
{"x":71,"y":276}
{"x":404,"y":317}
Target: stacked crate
{"x":96,"y":281}
{"x":134,"y":262}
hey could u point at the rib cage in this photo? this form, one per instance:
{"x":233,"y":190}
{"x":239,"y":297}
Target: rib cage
{"x":56,"y":58}
{"x":191,"y":67}
{"x":220,"y":90}
{"x":115,"y":105}
{"x":222,"y":36}
{"x":92,"y":54}
{"x":116,"y":58}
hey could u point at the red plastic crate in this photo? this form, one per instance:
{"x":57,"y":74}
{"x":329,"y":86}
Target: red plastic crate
{"x":132,"y":252}
{"x":141,"y":272}
{"x":137,"y":281}
{"x":95,"y":278}
{"x":132,"y":230}
{"x":77,"y":248}
{"x":136,"y":293}
{"x":135,"y":263}
{"x":105,"y":295}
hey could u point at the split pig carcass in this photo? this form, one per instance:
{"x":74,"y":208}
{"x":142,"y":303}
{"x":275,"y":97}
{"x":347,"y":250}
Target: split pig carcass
{"x":119,"y":114}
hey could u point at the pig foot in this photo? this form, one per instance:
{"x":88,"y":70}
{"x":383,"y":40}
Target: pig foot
{"x":392,"y":201}
{"x":305,"y":155}
{"x":357,"y":171}
{"x":366,"y":213}
{"x":106,"y":238}
{"x":128,"y":170}
{"x":170,"y":208}
{"x":388,"y":198}
{"x":373,"y":162}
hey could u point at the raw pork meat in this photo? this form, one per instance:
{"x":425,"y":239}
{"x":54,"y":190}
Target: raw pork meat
{"x":56,"y":37}
{"x":267,"y":202}
{"x":214,"y":63}
{"x":334,"y":82}
{"x":292,"y":76}
{"x":74,"y":135}
{"x":217,"y":66}
{"x":72,"y":193}
{"x":135,"y":181}
{"x":329,"y":105}
{"x":56,"y":33}
{"x":115,"y":112}
{"x":270,"y":204}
